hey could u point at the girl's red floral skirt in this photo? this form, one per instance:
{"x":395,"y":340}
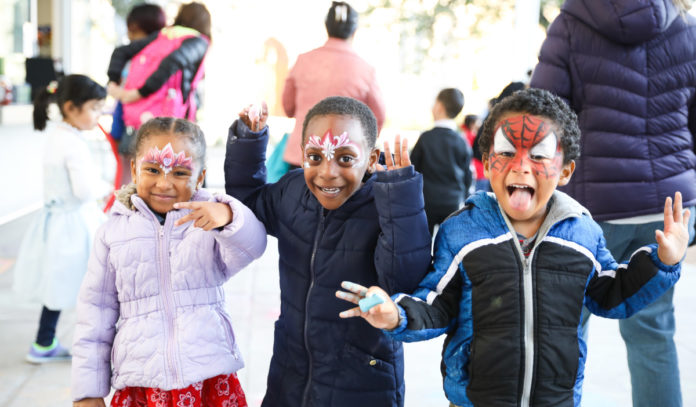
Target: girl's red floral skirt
{"x":218,"y":391}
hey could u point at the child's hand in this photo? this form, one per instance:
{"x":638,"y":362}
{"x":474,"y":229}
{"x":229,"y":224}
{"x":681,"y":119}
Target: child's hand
{"x":255,"y":116}
{"x":384,"y":315}
{"x":671,"y":244}
{"x":400,"y":159}
{"x":130,"y":96}
{"x":90,"y":402}
{"x":114,"y":90}
{"x":206,"y":215}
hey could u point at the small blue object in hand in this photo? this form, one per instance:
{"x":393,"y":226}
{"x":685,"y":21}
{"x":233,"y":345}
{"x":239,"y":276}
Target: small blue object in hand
{"x":369,"y":302}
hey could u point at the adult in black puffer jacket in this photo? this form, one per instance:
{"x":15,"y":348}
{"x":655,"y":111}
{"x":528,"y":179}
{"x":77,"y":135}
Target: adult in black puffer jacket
{"x":379,"y":235}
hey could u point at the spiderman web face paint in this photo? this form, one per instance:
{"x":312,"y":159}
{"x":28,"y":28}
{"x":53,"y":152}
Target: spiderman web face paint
{"x":167,"y":158}
{"x":526,"y":140}
{"x":524,"y":166}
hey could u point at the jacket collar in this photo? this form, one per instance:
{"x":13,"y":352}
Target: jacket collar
{"x":561,"y":206}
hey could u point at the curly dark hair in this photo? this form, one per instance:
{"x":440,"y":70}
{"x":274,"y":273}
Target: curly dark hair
{"x":180,"y":128}
{"x":542,"y":103}
{"x":345,"y":106}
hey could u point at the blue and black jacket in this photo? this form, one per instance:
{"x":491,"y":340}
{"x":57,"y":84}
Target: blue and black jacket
{"x":513,"y":322}
{"x":379,"y":236}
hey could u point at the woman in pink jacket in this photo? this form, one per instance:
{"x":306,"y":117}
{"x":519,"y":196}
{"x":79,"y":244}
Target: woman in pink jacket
{"x":151,"y":318}
{"x":333,"y":69}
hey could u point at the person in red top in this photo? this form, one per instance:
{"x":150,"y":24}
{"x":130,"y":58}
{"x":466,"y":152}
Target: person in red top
{"x":333,"y":69}
{"x":470,"y":127}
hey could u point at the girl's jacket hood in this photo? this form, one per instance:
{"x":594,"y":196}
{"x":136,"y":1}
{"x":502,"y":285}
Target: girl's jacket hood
{"x":624,"y":21}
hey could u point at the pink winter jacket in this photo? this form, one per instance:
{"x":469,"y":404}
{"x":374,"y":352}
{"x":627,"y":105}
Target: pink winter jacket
{"x":151,"y":310}
{"x":334,"y":69}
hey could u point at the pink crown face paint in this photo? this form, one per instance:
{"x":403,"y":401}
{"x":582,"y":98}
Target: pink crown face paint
{"x":329,"y":143}
{"x":167,"y":159}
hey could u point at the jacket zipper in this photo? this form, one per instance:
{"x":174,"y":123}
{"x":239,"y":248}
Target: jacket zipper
{"x":528,"y":329}
{"x":528,"y":293}
{"x":168,"y":305}
{"x":317,"y":235}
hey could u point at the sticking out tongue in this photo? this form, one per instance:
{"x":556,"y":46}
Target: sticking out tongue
{"x":521,"y":198}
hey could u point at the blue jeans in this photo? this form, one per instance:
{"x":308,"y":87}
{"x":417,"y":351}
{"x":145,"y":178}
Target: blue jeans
{"x":649,"y":334}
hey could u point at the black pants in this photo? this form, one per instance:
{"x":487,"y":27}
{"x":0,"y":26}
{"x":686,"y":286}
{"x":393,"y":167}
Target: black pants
{"x":438,"y":215}
{"x":47,"y":326}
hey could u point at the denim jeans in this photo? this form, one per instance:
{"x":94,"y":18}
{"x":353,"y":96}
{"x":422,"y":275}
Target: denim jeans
{"x":649,"y":334}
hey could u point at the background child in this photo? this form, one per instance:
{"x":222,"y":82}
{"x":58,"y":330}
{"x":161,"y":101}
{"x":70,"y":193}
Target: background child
{"x":512,"y":271}
{"x":142,"y":20}
{"x":470,"y":127}
{"x":336,"y":218}
{"x":53,"y":256}
{"x":444,"y":158}
{"x":151,"y":314}
{"x":162,"y":80}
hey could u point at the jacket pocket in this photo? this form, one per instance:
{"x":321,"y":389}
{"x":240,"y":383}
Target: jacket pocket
{"x":229,"y":333}
{"x":359,"y":370}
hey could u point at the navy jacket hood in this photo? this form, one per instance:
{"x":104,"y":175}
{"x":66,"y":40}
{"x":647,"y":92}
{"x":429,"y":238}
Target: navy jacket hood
{"x":624,"y":21}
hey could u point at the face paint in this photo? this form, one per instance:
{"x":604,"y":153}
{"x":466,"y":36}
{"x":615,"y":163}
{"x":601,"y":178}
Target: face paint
{"x":167,"y":159}
{"x":330,"y":143}
{"x":526,"y":140}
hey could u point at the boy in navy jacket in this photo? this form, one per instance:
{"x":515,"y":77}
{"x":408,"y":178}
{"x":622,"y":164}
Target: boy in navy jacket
{"x":513,"y":269}
{"x":336,"y":218}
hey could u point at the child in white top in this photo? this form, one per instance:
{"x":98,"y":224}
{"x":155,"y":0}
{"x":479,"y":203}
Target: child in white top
{"x":54,"y":252}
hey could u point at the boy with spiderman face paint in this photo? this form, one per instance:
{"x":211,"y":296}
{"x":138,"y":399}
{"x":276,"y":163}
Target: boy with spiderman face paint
{"x":524,"y":166}
{"x":342,"y":216}
{"x":513,"y":269}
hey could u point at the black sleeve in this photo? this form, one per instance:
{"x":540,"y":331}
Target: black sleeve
{"x":417,"y":155}
{"x":438,"y":315}
{"x":123,"y":54}
{"x":189,"y":54}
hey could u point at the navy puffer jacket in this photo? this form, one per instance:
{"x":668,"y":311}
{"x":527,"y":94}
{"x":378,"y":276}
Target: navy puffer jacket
{"x":628,"y":69}
{"x":379,"y":236}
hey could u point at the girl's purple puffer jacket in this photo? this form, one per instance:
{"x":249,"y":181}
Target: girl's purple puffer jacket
{"x":151,"y":309}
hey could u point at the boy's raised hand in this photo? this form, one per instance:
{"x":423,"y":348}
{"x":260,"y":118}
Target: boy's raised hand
{"x":384,"y":315}
{"x":255,"y":116}
{"x":672,"y":242}
{"x":400,"y":158}
{"x":206,"y":215}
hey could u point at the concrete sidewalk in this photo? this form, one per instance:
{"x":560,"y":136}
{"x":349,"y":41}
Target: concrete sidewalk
{"x":253,"y":302}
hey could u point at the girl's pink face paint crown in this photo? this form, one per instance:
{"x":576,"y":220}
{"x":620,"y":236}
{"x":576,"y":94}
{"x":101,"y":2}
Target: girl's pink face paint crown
{"x":330,"y":143}
{"x":167,"y":159}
